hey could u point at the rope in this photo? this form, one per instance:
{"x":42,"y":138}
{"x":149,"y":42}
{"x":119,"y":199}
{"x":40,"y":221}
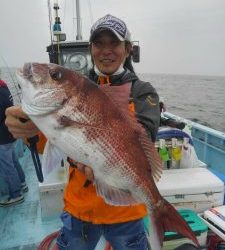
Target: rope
{"x":47,"y":242}
{"x":108,"y":246}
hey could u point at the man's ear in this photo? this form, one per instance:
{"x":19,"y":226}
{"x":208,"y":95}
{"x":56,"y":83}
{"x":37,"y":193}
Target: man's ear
{"x":128,"y":48}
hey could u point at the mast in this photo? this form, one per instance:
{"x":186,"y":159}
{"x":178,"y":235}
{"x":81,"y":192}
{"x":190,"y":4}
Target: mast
{"x":79,"y":35}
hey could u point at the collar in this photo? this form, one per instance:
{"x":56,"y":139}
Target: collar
{"x":106,"y":79}
{"x":125,"y":76}
{"x":118,"y":72}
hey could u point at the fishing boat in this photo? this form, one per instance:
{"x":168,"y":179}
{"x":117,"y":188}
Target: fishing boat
{"x":35,"y":223}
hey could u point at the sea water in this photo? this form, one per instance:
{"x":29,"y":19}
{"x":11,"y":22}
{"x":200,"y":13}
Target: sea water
{"x":197,"y":98}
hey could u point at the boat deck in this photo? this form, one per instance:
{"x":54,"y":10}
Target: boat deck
{"x":22,"y":227}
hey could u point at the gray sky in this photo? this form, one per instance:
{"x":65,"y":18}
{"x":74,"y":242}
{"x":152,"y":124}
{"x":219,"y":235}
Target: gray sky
{"x":176,"y":36}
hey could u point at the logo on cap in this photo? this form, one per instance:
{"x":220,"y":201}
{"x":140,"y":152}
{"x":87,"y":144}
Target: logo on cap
{"x":114,"y":24}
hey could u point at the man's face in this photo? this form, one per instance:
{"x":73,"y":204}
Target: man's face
{"x":108,"y":52}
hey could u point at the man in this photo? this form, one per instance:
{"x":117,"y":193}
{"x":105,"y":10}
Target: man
{"x":10,"y":168}
{"x":86,"y":216}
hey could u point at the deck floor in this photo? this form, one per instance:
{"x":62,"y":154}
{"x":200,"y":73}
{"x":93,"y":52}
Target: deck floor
{"x":21,"y":226}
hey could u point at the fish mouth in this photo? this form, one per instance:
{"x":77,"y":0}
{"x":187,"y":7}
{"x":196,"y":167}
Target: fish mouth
{"x":26,"y":71}
{"x":41,"y":105}
{"x":48,"y":92}
{"x":33,"y":72}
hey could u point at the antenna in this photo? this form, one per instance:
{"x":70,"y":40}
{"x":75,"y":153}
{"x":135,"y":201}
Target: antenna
{"x":57,"y":25}
{"x":79,"y":36}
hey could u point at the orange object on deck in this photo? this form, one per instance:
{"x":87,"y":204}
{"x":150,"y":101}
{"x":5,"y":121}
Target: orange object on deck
{"x":41,"y":143}
{"x":47,"y":242}
{"x":108,"y":246}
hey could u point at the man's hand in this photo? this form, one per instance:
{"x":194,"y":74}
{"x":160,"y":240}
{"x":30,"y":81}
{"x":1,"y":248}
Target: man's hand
{"x":17,"y":128}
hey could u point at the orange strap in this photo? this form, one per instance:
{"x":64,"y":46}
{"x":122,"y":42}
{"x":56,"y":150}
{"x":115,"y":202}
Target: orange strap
{"x":103,"y":80}
{"x":131,"y":106}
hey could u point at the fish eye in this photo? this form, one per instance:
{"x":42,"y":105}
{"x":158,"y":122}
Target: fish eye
{"x":56,"y":75}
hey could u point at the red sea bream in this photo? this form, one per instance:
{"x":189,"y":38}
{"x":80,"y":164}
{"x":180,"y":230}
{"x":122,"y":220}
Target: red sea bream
{"x":92,"y":124}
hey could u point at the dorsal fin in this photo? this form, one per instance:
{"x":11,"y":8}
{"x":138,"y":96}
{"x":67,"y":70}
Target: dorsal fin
{"x":120,"y":96}
{"x":152,"y":156}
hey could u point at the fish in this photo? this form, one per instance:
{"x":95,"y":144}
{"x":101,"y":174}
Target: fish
{"x":92,"y":125}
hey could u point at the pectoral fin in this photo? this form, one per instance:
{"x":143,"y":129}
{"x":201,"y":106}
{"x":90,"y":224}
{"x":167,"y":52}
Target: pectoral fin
{"x":114,"y":196}
{"x":52,"y":158}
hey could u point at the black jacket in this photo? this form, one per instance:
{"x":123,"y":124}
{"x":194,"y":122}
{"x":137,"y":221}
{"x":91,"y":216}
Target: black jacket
{"x":5,"y":102}
{"x":145,"y":98}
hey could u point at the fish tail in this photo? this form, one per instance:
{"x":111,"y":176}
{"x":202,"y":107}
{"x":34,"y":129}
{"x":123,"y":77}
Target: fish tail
{"x":165,"y":218}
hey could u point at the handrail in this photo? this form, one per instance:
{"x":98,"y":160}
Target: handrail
{"x":196,"y":125}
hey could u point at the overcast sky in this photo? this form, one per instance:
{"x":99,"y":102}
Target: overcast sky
{"x":176,"y":36}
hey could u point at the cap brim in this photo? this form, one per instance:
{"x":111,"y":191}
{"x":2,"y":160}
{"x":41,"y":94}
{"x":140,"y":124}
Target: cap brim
{"x":99,"y":30}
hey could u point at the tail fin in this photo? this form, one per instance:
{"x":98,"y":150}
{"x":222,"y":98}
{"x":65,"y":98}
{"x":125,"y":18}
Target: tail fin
{"x":165,"y":218}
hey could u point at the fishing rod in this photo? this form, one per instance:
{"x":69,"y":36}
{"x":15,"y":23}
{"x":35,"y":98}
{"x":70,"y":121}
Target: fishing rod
{"x":34,"y":153}
{"x":18,"y":93}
